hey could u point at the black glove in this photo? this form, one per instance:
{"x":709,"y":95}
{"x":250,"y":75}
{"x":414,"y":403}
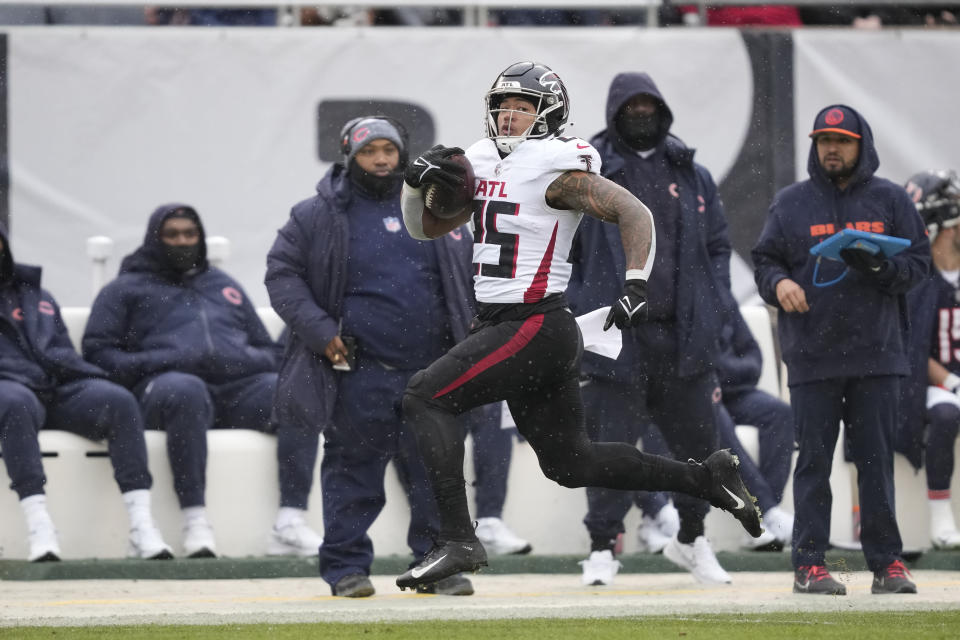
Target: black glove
{"x":862,"y":260}
{"x":630,"y":309}
{"x":433,"y":166}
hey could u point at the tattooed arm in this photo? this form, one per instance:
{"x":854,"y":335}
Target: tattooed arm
{"x":598,"y":197}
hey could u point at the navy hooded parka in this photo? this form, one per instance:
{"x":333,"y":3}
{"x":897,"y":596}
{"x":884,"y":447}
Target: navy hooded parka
{"x":700,"y":274}
{"x":152,"y":318}
{"x":306,"y":278}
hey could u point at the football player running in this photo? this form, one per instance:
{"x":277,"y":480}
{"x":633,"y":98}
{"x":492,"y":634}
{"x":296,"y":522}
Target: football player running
{"x":532,"y":187}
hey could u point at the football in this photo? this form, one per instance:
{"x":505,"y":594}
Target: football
{"x":447,"y":203}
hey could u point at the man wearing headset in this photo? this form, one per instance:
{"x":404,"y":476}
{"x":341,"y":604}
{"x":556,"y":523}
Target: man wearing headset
{"x":367,"y":306}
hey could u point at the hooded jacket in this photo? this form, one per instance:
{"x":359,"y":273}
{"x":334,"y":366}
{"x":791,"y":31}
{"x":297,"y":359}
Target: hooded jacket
{"x":306,"y":277}
{"x":152,"y":318}
{"x":44,"y":357}
{"x":856,"y":327}
{"x":702,"y":289}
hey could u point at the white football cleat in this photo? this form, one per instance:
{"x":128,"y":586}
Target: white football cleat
{"x":43,"y":544}
{"x":697,"y":558}
{"x":668,"y":520}
{"x":766,"y":542}
{"x":295,"y":539}
{"x":198,"y":541}
{"x":943,"y":529}
{"x":779,"y":523}
{"x":145,"y":542}
{"x":599,"y":568}
{"x":655,"y":532}
{"x":946,"y":539}
{"x":498,"y":539}
{"x":650,"y":538}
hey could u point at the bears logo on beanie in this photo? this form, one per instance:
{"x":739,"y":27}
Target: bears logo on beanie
{"x":361,"y":131}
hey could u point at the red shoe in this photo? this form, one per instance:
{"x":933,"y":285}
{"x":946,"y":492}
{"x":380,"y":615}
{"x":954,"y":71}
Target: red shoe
{"x":893,"y":579}
{"x":816,"y":579}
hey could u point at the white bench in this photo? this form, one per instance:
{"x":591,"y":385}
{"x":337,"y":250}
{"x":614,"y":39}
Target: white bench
{"x":243,"y":493}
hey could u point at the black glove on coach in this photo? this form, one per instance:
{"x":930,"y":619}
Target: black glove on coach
{"x":630,"y":309}
{"x":863,"y":261}
{"x":433,"y":166}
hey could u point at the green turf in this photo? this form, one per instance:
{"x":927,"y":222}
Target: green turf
{"x":849,"y":626}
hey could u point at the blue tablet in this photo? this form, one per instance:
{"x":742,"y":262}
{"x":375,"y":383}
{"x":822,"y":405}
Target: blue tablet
{"x":875,"y":243}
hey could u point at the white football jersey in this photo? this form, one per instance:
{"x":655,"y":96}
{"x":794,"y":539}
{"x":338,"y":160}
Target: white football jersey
{"x":521,"y":244}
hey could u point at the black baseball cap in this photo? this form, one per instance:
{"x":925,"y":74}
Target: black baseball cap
{"x":837,"y":119}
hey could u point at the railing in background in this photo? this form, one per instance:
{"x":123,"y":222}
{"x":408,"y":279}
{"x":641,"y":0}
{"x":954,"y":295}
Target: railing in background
{"x":474,"y":13}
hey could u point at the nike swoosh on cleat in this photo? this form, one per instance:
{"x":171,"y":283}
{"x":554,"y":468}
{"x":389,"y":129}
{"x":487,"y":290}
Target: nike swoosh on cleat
{"x":418,"y":572}
{"x":739,"y":502}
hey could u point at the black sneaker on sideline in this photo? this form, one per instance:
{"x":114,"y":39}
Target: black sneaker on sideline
{"x":444,"y":560}
{"x":456,"y":585}
{"x":817,"y":580}
{"x":356,"y":585}
{"x":728,"y":492}
{"x":893,"y":579}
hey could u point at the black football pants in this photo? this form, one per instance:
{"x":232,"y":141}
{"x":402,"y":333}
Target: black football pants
{"x":533,"y":363}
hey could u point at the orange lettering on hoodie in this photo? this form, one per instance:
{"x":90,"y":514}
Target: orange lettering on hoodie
{"x":821,"y":230}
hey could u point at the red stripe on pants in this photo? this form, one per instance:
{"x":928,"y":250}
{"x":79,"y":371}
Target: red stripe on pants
{"x":520,"y":339}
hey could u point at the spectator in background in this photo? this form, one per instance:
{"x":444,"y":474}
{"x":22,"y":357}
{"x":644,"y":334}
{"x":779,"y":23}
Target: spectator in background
{"x":416,"y":17}
{"x":843,"y":344}
{"x":547,"y":17}
{"x":37,"y":14}
{"x":931,"y":406}
{"x":185,"y":338}
{"x":44,"y":383}
{"x":762,"y":15}
{"x":210,"y":16}
{"x":666,"y":368}
{"x":877,"y":16}
{"x":355,"y":288}
{"x":741,"y":402}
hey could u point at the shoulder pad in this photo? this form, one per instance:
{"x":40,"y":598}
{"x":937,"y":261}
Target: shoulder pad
{"x":573,"y":154}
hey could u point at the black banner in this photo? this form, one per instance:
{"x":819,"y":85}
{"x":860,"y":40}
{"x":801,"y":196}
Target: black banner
{"x":765,"y":163}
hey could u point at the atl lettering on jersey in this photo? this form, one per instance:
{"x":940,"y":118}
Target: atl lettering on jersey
{"x":491,"y":189}
{"x":521,"y":244}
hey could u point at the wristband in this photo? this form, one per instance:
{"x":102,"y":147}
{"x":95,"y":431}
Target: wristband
{"x":642,"y":274}
{"x":951,"y":382}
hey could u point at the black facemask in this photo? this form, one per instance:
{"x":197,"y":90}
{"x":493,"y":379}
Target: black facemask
{"x":640,"y":132}
{"x":378,"y":187}
{"x":182,"y":257}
